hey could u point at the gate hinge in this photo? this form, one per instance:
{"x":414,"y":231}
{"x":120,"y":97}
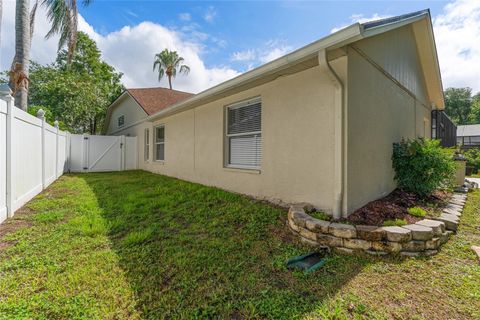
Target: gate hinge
{"x":85,"y":138}
{"x":85,"y":168}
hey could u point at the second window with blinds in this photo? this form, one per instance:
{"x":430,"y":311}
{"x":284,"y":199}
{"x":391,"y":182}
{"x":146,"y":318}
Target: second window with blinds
{"x":160,"y":143}
{"x":244,"y":134}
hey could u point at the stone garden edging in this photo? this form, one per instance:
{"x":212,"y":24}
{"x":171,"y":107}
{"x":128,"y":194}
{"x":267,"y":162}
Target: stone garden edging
{"x":423,"y":238}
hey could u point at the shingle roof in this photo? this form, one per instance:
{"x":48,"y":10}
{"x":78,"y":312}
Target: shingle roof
{"x":381,"y":22}
{"x":153,"y":100}
{"x":468,"y":130}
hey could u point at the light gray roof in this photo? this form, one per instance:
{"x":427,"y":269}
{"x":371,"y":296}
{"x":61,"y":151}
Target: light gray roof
{"x":382,"y":22}
{"x":468,"y":130}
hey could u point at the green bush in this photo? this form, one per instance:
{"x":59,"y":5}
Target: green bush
{"x":473,"y":158}
{"x":396,"y":222}
{"x":321,"y":216}
{"x":422,"y":166}
{"x":417,"y":212}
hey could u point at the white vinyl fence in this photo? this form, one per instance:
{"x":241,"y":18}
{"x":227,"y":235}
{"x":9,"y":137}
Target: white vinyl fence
{"x":102,"y":153}
{"x":33,"y":154}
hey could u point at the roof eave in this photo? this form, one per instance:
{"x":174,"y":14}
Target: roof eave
{"x":337,"y":39}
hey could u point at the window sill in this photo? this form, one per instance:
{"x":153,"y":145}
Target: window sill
{"x":243,"y":170}
{"x":162,"y":162}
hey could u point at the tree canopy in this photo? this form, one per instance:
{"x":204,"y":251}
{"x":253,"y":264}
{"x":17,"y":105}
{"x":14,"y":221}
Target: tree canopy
{"x":79,"y":93}
{"x":458,"y":104}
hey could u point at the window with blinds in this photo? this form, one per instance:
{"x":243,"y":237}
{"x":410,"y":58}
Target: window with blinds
{"x":146,"y":154}
{"x":160,"y":143}
{"x":244,"y":134}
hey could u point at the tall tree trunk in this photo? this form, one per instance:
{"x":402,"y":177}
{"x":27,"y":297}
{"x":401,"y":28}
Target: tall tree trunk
{"x":170,"y":81}
{"x":94,"y":125}
{"x":22,"y":48}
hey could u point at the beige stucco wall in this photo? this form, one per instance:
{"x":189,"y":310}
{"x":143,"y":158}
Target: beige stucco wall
{"x":130,"y":109}
{"x":381,"y":112}
{"x":297,"y":142}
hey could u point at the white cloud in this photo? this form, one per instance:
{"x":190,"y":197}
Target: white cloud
{"x":210,"y":15}
{"x":274,"y":53}
{"x":247,"y":55}
{"x":457,"y":35}
{"x":185,"y":16}
{"x":131,"y":13}
{"x":269,"y":51}
{"x":360,"y":18}
{"x":130,"y":50}
{"x":43,"y":51}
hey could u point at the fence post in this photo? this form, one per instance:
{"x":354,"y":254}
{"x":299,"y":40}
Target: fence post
{"x":55,"y":124}
{"x":6,"y":94}
{"x":41,"y":116}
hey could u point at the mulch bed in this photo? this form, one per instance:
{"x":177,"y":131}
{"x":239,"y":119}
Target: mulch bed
{"x":394,"y":206}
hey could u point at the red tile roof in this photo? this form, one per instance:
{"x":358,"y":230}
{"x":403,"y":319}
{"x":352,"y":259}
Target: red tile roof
{"x":153,"y":100}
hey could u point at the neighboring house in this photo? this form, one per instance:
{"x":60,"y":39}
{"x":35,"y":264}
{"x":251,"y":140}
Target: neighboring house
{"x":316,"y":125}
{"x":468,"y":136}
{"x":133,"y":106}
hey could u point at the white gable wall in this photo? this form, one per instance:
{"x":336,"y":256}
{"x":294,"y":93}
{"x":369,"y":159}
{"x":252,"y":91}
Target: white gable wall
{"x":133,"y":113}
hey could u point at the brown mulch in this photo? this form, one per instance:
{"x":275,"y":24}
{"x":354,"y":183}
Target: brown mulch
{"x":394,"y":206}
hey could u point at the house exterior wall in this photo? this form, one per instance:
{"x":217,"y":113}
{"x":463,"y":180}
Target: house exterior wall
{"x":381,"y":112}
{"x":396,"y":52}
{"x":297,"y":142}
{"x":133,"y":113}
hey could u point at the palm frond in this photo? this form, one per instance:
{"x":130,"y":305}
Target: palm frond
{"x":169,"y":62}
{"x":33,"y":13}
{"x":184,"y":69}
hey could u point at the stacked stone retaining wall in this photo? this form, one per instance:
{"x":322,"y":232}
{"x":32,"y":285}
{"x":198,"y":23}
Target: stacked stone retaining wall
{"x":422,"y":238}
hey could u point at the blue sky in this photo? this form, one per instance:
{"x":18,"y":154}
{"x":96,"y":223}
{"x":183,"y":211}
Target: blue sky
{"x":242,"y":25}
{"x":220,"y":40}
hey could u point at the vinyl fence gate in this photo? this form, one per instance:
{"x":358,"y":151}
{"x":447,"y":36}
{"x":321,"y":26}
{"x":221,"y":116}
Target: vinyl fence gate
{"x":102,"y":153}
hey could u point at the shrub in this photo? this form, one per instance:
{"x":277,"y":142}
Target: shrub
{"x":422,"y":166}
{"x":396,"y":222}
{"x":321,"y":216}
{"x":473,"y":158}
{"x":417,"y":212}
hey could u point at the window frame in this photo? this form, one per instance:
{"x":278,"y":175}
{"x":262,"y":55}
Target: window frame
{"x":227,"y":136}
{"x":159,"y":143}
{"x":118,"y":121}
{"x":146,"y":145}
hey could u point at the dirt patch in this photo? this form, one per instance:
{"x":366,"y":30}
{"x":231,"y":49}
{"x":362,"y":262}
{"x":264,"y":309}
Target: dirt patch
{"x":6,"y":244}
{"x":12,"y":225}
{"x":395,"y":205}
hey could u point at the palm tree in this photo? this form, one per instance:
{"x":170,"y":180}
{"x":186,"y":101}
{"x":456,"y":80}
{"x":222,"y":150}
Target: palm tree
{"x":21,"y":60}
{"x":63,"y":14}
{"x":167,"y":62}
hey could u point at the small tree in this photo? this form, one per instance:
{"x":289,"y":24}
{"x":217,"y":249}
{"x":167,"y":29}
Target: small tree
{"x":422,"y":166}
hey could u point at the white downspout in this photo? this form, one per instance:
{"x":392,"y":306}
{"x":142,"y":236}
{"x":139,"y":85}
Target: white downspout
{"x":338,"y":182}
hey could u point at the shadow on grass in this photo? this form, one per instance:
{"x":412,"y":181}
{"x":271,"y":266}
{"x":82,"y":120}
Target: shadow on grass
{"x":194,"y":251}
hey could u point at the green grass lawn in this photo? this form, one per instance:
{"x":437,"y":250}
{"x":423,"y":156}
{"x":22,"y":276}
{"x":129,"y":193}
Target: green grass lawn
{"x":136,"y":245}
